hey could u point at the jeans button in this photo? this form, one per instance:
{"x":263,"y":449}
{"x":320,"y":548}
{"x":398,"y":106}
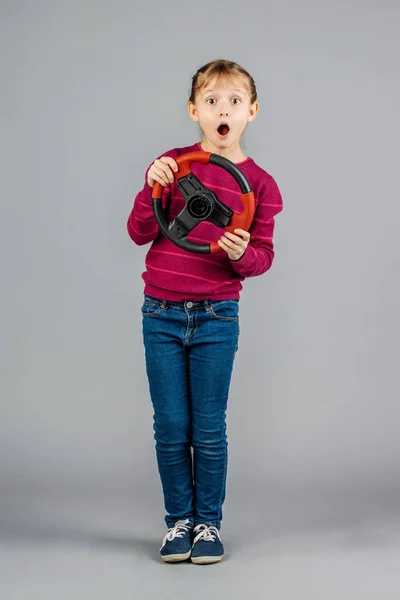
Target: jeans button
{"x":189,"y":304}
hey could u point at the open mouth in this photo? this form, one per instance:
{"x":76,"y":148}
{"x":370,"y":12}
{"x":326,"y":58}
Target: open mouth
{"x":223,"y":129}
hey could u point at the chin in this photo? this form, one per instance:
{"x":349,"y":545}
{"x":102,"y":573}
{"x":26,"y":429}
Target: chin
{"x":225,"y":144}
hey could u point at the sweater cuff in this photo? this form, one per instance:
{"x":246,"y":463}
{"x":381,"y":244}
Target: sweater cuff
{"x":243,"y":264}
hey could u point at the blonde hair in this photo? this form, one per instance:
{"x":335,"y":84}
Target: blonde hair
{"x":221,"y":68}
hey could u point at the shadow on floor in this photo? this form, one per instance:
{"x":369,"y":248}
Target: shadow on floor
{"x":285,"y":523}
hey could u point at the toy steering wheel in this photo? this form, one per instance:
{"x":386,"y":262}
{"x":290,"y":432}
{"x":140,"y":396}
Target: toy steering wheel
{"x":202,"y":204}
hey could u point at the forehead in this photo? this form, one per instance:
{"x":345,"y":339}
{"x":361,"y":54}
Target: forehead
{"x":226,"y":83}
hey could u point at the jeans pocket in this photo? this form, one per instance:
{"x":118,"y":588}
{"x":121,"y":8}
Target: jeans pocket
{"x":225,"y":310}
{"x":150,"y":307}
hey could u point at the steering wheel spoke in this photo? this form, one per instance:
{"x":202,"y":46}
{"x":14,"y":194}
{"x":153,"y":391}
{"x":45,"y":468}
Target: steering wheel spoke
{"x":221,"y":215}
{"x":182,"y":225}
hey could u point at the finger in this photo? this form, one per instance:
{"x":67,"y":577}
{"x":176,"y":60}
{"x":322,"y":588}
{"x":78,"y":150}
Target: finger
{"x":236,"y":242}
{"x":169,"y":174}
{"x":171,"y":162}
{"x":231,"y":253}
{"x":233,"y":237}
{"x":161,"y":177}
{"x":243,"y":233}
{"x":232,"y":250}
{"x":160,"y":181}
{"x":164,"y":168}
{"x":223,"y":245}
{"x":228,"y":242}
{"x":159,"y":168}
{"x":169,"y":165}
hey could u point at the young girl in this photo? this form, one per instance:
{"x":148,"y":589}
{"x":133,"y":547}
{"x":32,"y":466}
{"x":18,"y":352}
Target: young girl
{"x":190,"y":312}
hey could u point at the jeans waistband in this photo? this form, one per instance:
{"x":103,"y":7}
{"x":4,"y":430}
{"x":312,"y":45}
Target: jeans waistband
{"x":189,"y":303}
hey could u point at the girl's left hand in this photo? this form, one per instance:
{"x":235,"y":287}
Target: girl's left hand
{"x":234,"y":245}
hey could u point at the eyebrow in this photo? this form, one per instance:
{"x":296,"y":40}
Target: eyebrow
{"x":231,"y":90}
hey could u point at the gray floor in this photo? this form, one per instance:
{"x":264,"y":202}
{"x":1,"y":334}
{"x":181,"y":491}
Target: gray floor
{"x":105,"y":546}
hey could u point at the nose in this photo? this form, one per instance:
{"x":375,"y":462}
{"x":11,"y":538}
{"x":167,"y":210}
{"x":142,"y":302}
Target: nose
{"x":223,"y":111}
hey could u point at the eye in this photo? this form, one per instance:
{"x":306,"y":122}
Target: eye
{"x":236,"y":100}
{"x":210,"y":100}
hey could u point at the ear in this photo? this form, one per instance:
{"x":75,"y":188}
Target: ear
{"x":192,"y":110}
{"x":253,"y":111}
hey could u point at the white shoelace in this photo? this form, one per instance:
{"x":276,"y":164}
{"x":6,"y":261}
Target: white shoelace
{"x":179,"y":530}
{"x":206,"y":533}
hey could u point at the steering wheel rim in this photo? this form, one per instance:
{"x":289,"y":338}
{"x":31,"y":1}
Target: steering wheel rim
{"x":198,"y":197}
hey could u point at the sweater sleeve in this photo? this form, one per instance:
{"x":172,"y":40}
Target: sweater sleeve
{"x":259,"y":253}
{"x":142,"y":225}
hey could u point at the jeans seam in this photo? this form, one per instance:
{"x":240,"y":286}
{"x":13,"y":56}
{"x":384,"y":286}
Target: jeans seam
{"x":223,"y":483}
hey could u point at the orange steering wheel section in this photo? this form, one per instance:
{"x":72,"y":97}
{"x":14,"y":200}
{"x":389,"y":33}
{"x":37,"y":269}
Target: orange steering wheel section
{"x":202,"y":204}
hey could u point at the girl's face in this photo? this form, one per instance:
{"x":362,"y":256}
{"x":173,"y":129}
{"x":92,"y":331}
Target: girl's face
{"x":223,"y":110}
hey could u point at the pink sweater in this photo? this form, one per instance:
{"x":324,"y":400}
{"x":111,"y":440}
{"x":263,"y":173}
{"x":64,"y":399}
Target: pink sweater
{"x":176,"y":274}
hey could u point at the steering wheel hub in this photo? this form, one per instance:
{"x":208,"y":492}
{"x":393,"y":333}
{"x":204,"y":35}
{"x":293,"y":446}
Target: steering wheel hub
{"x":200,"y":206}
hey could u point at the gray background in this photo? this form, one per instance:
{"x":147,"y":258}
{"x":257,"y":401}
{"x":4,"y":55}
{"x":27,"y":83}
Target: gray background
{"x":91,"y":93}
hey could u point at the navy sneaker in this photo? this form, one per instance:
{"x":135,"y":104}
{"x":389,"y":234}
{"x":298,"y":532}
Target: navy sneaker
{"x":177,"y":543}
{"x":207,"y":545}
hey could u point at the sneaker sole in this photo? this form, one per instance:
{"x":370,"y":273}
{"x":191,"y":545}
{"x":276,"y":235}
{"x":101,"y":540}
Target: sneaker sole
{"x":205,"y":560}
{"x":171,"y":558}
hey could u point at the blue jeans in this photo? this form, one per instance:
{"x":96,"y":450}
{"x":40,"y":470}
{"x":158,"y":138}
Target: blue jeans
{"x":189,"y":352}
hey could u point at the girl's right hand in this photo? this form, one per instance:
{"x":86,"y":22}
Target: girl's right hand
{"x":162,"y":171}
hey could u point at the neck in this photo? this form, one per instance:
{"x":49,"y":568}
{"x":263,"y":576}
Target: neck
{"x":233,"y":153}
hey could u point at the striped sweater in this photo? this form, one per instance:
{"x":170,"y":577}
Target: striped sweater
{"x":175,"y":274}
